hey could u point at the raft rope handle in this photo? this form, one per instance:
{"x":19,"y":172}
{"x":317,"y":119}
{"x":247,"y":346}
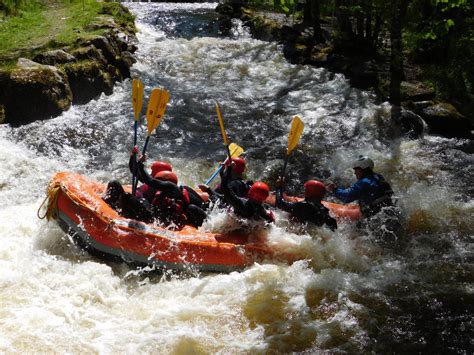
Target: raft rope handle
{"x":52,"y":208}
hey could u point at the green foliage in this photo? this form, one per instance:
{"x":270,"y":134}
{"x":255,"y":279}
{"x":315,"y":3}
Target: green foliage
{"x":440,"y":36}
{"x":285,"y":6}
{"x":39,"y":25}
{"x":16,"y":7}
{"x":16,"y":31}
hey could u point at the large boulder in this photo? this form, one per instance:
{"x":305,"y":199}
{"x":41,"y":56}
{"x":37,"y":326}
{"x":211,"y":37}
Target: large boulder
{"x":35,"y":92}
{"x":444,"y":119}
{"x":89,"y":52}
{"x":88,"y":79}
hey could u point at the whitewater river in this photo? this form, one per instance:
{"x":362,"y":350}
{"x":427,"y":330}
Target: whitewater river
{"x":348,"y":291}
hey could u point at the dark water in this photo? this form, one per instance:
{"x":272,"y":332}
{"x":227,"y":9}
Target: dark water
{"x":350,"y":292}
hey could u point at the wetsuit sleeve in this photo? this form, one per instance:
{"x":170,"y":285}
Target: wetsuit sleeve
{"x":282,"y":204}
{"x":237,"y":203}
{"x":133,"y":164}
{"x":168,"y":188}
{"x":214,"y":195}
{"x":355,"y":192}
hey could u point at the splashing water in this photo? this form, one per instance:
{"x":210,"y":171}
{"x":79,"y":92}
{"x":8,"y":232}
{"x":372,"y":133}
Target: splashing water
{"x":345,"y":292}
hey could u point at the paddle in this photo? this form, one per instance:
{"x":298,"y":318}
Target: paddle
{"x":295,"y":133}
{"x":156,"y":109}
{"x":235,"y":151}
{"x":224,"y":134}
{"x":137,"y":101}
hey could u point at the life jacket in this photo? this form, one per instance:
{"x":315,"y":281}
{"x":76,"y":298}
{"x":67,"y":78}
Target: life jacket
{"x":170,"y":210}
{"x":146,"y":192}
{"x":382,"y":198}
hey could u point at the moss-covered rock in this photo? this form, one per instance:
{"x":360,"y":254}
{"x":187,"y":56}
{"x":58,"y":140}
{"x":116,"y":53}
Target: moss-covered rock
{"x":88,"y":79}
{"x":443,"y":118}
{"x":89,"y":52}
{"x":35,"y":92}
{"x":54,"y":57}
{"x":416,"y":91}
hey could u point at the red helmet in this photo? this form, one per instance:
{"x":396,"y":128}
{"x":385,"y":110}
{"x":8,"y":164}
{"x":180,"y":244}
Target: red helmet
{"x":167,"y":175}
{"x":239,"y":165}
{"x":314,"y":189}
{"x":259,"y":191}
{"x":158,"y":166}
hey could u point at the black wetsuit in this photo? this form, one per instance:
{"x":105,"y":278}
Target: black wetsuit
{"x":239,"y":186}
{"x":125,"y":204}
{"x":194,"y":214}
{"x":143,"y":191}
{"x":243,"y":207}
{"x":309,"y":210}
{"x":149,"y":192}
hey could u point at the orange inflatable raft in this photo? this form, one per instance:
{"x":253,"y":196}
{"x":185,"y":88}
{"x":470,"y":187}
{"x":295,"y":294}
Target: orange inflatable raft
{"x":75,"y":202}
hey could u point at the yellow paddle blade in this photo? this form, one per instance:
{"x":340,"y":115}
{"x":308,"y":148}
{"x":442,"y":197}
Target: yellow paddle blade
{"x":137,"y":97}
{"x":221,"y":123}
{"x":156,"y":108}
{"x":295,"y":133}
{"x":235,"y":150}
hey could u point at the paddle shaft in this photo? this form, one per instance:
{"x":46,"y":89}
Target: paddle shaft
{"x":284,"y":165}
{"x":214,"y":175}
{"x":135,"y":181}
{"x":134,"y":173}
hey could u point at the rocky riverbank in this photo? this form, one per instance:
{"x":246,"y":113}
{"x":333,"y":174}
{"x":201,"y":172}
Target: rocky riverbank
{"x":47,"y":84}
{"x":421,"y":107}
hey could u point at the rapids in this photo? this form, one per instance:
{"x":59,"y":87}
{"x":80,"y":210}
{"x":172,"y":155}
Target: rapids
{"x":346,"y":293}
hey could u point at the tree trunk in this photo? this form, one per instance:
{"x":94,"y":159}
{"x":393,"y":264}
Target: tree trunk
{"x":316,"y":14}
{"x":343,"y":22}
{"x":396,"y":60}
{"x":307,"y":15}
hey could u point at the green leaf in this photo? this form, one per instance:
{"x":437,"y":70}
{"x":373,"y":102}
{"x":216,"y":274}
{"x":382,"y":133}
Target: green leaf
{"x":429,"y":35}
{"x":449,"y":23}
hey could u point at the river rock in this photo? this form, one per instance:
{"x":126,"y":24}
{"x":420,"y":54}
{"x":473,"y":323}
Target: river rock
{"x":125,"y":62}
{"x":102,"y":43}
{"x":443,"y":118}
{"x":54,"y":57}
{"x":88,"y":79}
{"x":35,"y":92}
{"x":229,"y":9}
{"x":89,"y":52}
{"x":416,"y":91}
